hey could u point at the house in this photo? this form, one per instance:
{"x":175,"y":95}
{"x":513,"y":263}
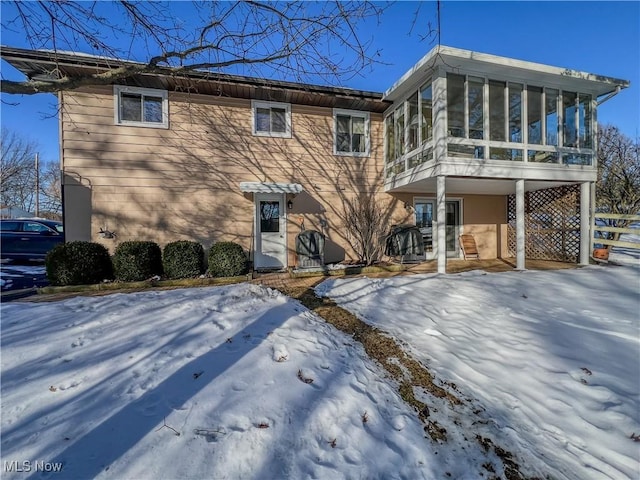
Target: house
{"x":464,"y":142}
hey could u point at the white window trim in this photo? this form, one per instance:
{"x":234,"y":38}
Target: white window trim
{"x":367,"y":132}
{"x":152,"y":92}
{"x":261,"y":104}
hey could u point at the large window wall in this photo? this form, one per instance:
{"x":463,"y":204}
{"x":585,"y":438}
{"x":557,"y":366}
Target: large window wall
{"x":493,"y":119}
{"x":525,"y":122}
{"x":409,"y":131}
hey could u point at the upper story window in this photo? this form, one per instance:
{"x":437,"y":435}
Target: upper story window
{"x":410,"y":124}
{"x":271,"y":119}
{"x":548,"y":116}
{"x":351,"y":132}
{"x":143,"y":107}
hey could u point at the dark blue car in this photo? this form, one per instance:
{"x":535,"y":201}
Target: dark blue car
{"x":29,"y":239}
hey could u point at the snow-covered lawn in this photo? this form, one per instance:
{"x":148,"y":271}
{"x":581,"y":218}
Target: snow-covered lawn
{"x":224,"y":382}
{"x":242,"y":382}
{"x":552,"y":357}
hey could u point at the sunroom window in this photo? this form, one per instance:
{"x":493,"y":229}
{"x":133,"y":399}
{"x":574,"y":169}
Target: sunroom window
{"x":476,"y":105}
{"x":144,"y":107}
{"x":426,"y":105}
{"x":497,"y":111}
{"x":534,"y":115}
{"x":455,"y":105}
{"x":351,"y":132}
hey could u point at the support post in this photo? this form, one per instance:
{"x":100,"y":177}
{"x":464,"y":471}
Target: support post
{"x":585,"y":223}
{"x":441,"y":216}
{"x":520,"y":230}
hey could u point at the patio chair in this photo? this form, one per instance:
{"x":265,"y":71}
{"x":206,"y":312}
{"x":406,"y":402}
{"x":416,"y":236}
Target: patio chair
{"x":469,"y":248}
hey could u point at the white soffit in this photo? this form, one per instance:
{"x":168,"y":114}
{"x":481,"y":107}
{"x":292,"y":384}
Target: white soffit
{"x":270,"y":187}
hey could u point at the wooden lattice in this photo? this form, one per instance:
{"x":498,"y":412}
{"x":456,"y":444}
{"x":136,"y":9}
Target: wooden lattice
{"x":552,"y":224}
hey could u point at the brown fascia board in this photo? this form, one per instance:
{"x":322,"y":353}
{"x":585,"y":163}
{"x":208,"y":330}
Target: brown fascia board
{"x":44,"y":60}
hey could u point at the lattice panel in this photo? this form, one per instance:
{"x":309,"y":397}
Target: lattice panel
{"x":552,"y":224}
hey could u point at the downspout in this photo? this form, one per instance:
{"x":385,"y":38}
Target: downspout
{"x":60,"y":152}
{"x":610,"y":96}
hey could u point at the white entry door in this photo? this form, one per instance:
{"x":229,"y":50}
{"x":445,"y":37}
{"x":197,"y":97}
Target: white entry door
{"x":270,"y":231}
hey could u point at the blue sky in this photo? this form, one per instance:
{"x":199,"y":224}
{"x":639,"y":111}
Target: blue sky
{"x":596,"y":37}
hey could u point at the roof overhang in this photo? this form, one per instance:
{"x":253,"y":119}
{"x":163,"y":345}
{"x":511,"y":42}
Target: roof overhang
{"x":482,"y":64}
{"x":45,"y":64}
{"x":270,"y":187}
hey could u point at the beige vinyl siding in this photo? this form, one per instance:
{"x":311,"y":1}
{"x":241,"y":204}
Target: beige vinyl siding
{"x":183,"y":182}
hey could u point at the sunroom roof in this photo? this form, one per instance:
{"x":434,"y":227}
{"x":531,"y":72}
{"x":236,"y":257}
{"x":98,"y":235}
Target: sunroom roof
{"x":467,"y":61}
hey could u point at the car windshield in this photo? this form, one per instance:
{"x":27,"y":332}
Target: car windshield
{"x":60,"y":228}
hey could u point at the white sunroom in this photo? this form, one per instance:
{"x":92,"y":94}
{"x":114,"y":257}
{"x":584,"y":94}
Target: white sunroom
{"x":465,"y":127}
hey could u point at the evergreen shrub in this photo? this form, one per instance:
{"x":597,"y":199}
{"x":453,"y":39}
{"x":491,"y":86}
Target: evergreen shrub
{"x":183,"y":259}
{"x":134,"y":261}
{"x":78,"y":263}
{"x":227,"y":259}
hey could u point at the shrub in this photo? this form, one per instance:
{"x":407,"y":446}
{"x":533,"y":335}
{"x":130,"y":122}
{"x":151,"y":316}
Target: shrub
{"x":78,"y":263}
{"x":227,"y":259}
{"x":134,"y":261}
{"x":183,"y":259}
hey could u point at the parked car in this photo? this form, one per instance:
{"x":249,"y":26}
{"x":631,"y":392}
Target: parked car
{"x":28,"y":239}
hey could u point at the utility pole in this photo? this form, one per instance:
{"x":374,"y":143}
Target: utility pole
{"x":37,"y":187}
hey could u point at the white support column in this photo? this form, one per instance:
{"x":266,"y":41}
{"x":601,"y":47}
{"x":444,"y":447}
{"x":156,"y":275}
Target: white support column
{"x":520,"y":231}
{"x":441,"y":217}
{"x":439,"y":88}
{"x":585,"y":223}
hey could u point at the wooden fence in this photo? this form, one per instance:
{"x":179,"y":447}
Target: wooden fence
{"x":601,"y":232}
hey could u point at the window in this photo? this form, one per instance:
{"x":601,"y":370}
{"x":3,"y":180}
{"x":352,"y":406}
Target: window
{"x":551,"y":116}
{"x":399,"y":130}
{"x":143,"y":107}
{"x":35,"y":227}
{"x":497,"y":111}
{"x":269,"y":217}
{"x":455,"y":104}
{"x":390,"y":142}
{"x":476,"y":104}
{"x":515,"y":112}
{"x":584,"y":120}
{"x":569,"y":119}
{"x":414,"y":122}
{"x":351,"y":132}
{"x":534,"y":114}
{"x":271,"y":119}
{"x":426,"y":101}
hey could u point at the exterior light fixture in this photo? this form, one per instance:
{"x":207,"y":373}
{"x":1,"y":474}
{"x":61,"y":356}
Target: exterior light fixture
{"x":289,"y":204}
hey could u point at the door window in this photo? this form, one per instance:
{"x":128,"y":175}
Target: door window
{"x":424,"y":221}
{"x":269,"y":216}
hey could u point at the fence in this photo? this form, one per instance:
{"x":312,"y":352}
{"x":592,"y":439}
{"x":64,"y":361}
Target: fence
{"x":601,"y":232}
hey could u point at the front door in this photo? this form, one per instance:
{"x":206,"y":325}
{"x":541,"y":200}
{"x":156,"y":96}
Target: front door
{"x":270,"y":240}
{"x":426,"y":221}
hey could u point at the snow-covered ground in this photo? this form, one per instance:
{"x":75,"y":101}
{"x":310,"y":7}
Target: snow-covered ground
{"x":242,"y":382}
{"x":553,"y":357}
{"x":224,"y":382}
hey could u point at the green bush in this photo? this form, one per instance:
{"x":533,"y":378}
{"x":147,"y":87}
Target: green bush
{"x":78,"y":263}
{"x":183,"y":259}
{"x":135,"y":260}
{"x":227,"y":259}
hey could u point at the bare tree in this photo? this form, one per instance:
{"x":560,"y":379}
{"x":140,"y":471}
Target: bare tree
{"x":365,"y":222}
{"x":18,"y":177}
{"x":50,"y":191}
{"x":17,"y":169}
{"x":618,"y":185}
{"x":297,"y":40}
